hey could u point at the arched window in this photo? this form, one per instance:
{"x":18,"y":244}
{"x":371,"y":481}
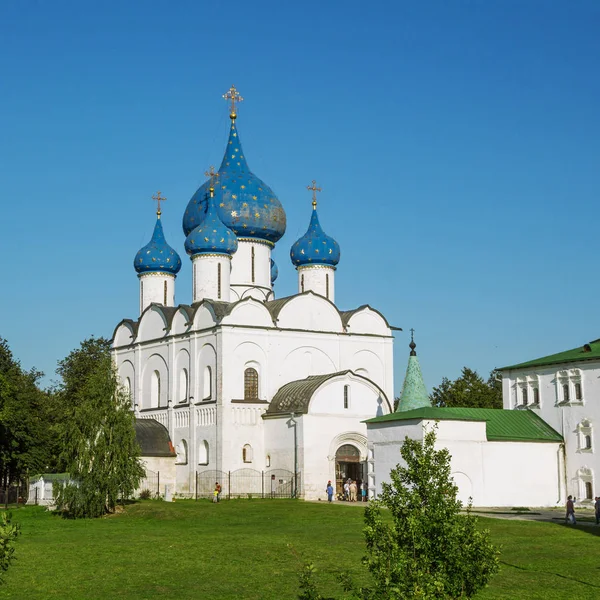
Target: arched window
{"x":578,"y":391}
{"x":182,"y":453}
{"x":247,"y":453}
{"x":585,"y":435}
{"x":165,"y":293}
{"x":536,"y":396}
{"x":183,"y":385}
{"x":589,"y":492}
{"x":207,"y":394}
{"x":588,"y":442}
{"x":155,"y":390}
{"x":203,"y":453}
{"x":250,"y":384}
{"x":127,"y":387}
{"x":565,"y":392}
{"x":525,"y":396}
{"x":268,"y":461}
{"x":346,"y":396}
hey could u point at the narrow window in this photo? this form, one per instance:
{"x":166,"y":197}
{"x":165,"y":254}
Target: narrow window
{"x":165,"y":294}
{"x":250,"y":384}
{"x":327,"y":285}
{"x":536,"y":396}
{"x":346,"y":394}
{"x":588,"y":442}
{"x":219,"y":281}
{"x":207,"y":383}
{"x":302,"y":283}
{"x":268,"y":461}
{"x":252,"y":264}
{"x":566,"y":392}
{"x":578,"y":391}
{"x":183,"y":385}
{"x":525,"y":396}
{"x":247,"y":453}
{"x":155,"y":390}
{"x":203,"y":453}
{"x":142,"y":293}
{"x":588,"y":490}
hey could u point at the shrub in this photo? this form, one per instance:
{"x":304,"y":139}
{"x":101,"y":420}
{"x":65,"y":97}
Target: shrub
{"x":145,"y":494}
{"x":8,"y":535}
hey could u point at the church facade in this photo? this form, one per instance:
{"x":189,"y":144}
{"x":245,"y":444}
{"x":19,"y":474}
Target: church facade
{"x":241,"y":379}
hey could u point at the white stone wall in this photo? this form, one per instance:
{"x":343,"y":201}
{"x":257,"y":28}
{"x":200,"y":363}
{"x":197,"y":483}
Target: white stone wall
{"x":205,"y":277}
{"x":246,"y":281}
{"x":582,"y":464}
{"x":152,"y":289}
{"x":491,"y":473}
{"x":317,"y":278}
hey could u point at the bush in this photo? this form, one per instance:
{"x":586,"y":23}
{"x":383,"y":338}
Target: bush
{"x":8,"y":535}
{"x":145,"y":494}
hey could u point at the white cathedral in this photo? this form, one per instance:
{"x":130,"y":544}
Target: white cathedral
{"x":237,"y":378}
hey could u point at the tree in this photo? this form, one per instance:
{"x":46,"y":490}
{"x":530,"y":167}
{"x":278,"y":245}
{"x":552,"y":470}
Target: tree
{"x":100,"y":451}
{"x":25,"y":438}
{"x":421,"y":546}
{"x":469,"y":391}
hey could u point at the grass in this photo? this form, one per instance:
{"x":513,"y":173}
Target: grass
{"x":254,"y":550}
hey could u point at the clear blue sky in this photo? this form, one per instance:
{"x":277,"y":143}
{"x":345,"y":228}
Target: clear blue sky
{"x":457,"y":144}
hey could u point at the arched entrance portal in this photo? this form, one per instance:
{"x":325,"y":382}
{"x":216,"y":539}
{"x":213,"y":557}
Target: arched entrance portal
{"x":347,"y":466}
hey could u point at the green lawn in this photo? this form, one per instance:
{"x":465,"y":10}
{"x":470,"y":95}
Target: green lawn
{"x":253,"y":549}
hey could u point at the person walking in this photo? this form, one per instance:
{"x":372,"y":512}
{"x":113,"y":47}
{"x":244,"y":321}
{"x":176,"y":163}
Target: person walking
{"x":363,"y":491}
{"x":353,"y":490}
{"x":571,"y":511}
{"x":329,"y":491}
{"x":597,"y":508}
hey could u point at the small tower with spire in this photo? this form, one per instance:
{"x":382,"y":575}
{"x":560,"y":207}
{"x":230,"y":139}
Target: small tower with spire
{"x":414,"y":393}
{"x":315,"y":255}
{"x":211,"y":245}
{"x":157,"y":265}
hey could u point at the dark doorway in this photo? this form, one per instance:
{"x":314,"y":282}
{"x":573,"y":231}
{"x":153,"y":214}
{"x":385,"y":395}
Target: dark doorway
{"x":347,"y":466}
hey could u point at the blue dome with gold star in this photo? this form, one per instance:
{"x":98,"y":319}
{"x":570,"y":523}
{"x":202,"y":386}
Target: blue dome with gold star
{"x":274,"y":272}
{"x":157,"y":255}
{"x":315,"y":247}
{"x":245,"y":204}
{"x":211,"y":236}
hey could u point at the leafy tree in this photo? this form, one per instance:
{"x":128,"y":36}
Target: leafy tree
{"x":469,"y":390}
{"x":421,"y":546}
{"x":100,"y":450}
{"x":25,"y":438}
{"x":8,"y":535}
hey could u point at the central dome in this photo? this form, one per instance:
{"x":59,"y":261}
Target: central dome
{"x":245,"y":204}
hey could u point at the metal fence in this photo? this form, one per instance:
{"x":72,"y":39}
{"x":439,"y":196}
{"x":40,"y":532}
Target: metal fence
{"x":249,"y":483}
{"x":14,"y":494}
{"x":150,"y":482}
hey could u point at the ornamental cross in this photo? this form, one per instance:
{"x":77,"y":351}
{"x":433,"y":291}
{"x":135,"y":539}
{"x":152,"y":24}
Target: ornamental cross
{"x":314,"y":189}
{"x":158,"y":198}
{"x":234,"y":96}
{"x":212,"y":174}
{"x":412,"y":335}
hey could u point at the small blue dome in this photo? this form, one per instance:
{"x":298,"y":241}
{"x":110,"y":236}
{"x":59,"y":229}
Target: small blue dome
{"x":157,"y":255}
{"x":211,"y":236}
{"x":315,"y":247}
{"x":245,"y":204}
{"x":274,"y":272}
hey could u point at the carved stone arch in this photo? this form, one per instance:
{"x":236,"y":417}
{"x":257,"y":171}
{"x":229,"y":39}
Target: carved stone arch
{"x":349,"y":437}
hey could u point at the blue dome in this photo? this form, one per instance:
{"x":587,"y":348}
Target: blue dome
{"x":274,"y":272}
{"x":315,"y":247}
{"x":157,"y":255}
{"x":211,"y":236}
{"x":245,"y":204}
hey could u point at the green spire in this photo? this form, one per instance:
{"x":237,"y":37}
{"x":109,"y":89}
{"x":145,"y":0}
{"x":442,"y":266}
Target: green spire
{"x":414,"y":393}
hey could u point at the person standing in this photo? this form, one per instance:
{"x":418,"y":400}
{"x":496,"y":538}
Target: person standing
{"x":571,"y":511}
{"x":329,"y":492}
{"x":218,"y":491}
{"x":597,"y":508}
{"x":347,"y":491}
{"x":363,"y":491}
{"x":353,"y":490}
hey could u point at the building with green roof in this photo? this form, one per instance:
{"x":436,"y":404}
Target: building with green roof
{"x":563,"y":388}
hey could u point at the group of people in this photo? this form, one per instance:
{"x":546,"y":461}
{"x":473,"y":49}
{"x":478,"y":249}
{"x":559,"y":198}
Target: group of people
{"x":350,"y":491}
{"x":570,"y":517}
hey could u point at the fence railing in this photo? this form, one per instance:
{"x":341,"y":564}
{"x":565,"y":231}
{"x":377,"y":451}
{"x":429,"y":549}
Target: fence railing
{"x":249,"y":483}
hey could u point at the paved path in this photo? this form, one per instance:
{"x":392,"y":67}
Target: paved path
{"x":584,"y":516}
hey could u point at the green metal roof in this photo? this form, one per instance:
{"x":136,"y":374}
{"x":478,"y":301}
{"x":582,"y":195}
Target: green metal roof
{"x":414,"y":393}
{"x":501,"y":425}
{"x":590,"y":351}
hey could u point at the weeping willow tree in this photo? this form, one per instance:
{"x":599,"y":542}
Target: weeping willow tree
{"x":99,"y":448}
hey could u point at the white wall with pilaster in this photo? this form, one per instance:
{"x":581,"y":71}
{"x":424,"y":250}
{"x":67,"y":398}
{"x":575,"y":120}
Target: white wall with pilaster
{"x":319,"y":279}
{"x":211,"y":277}
{"x":156,"y":288}
{"x":251,"y":270}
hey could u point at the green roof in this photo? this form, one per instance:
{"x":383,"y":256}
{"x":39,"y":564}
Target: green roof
{"x":590,"y":351}
{"x":414,"y":393}
{"x":501,"y":425}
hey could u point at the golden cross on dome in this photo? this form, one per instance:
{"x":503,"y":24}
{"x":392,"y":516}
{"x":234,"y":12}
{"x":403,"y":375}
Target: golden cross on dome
{"x":234,"y":96}
{"x":314,"y":189}
{"x":211,"y":173}
{"x":158,"y":198}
